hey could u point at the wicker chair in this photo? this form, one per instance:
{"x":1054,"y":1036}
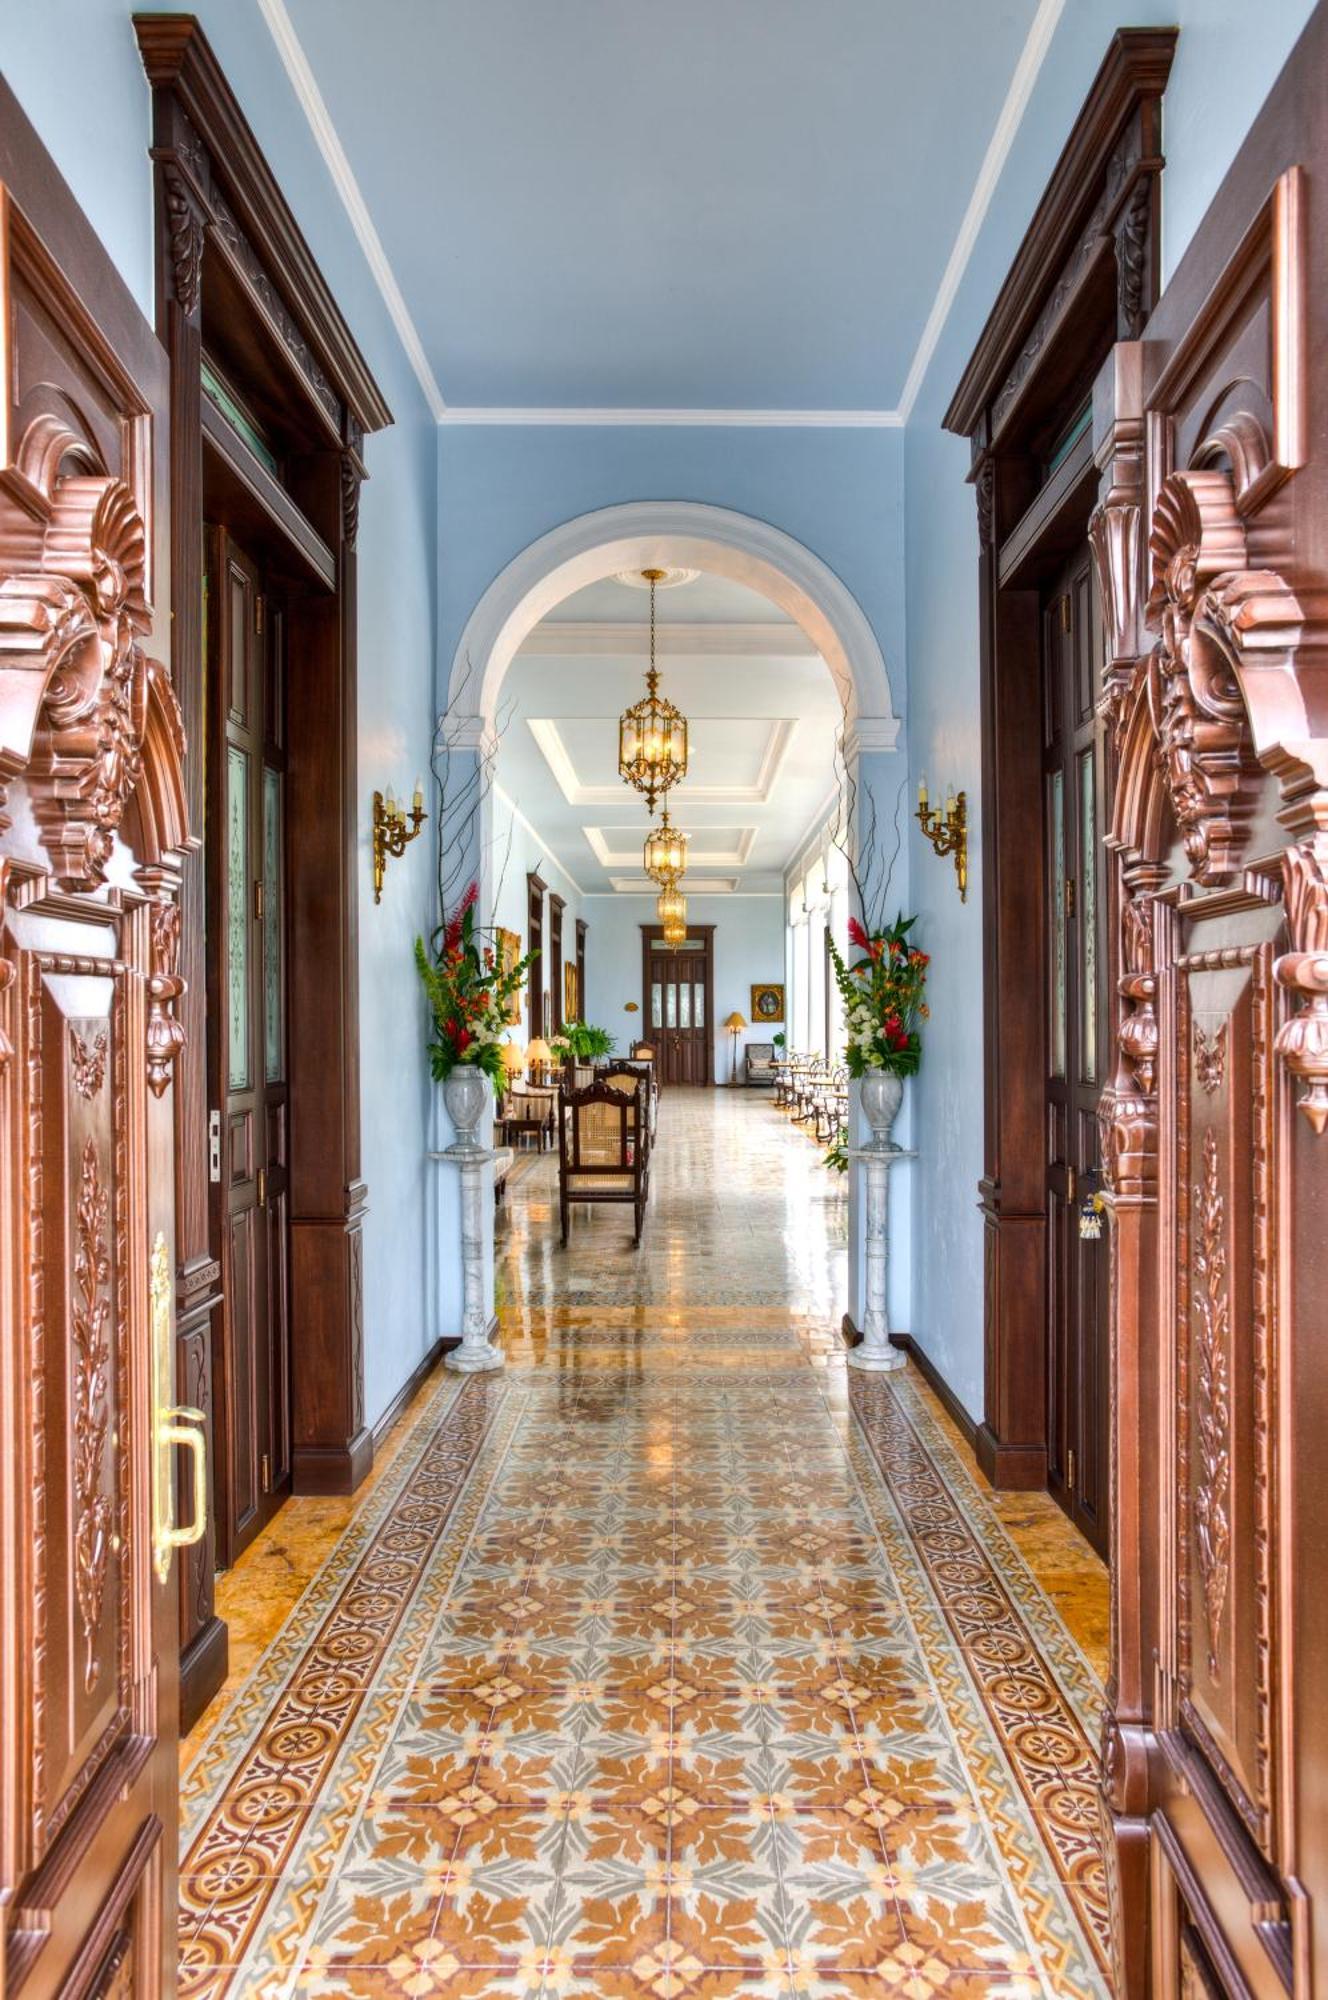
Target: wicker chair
{"x":525,"y":1108}
{"x":759,"y":1065}
{"x":634,"y":1078}
{"x":603,"y":1151}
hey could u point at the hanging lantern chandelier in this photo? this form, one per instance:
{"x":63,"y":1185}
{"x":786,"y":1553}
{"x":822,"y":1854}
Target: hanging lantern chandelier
{"x":674,"y":934}
{"x":665,"y":853}
{"x":652,"y":734}
{"x":671,"y":908}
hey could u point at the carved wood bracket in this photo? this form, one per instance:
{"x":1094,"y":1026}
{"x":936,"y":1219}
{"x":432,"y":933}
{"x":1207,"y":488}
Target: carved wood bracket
{"x":1302,"y":1042}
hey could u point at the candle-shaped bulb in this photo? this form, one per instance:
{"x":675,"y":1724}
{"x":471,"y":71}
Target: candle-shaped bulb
{"x":390,"y":801}
{"x":922,"y":790}
{"x":419,"y":795}
{"x":949,"y":798}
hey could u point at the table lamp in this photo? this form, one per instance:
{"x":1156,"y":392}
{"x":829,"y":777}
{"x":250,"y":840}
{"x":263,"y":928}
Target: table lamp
{"x":514,"y":1059}
{"x":539,"y":1056}
{"x":735,"y":1025}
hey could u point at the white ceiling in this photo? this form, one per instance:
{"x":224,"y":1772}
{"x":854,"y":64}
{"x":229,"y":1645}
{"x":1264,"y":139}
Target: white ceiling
{"x":763,"y":715}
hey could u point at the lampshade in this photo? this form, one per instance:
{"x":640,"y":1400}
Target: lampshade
{"x":735,"y":1021}
{"x":539,"y":1052}
{"x":514,"y":1058}
{"x":665,"y":853}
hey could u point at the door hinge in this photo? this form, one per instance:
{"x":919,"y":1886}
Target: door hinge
{"x":262,"y":1187}
{"x":214,"y":1146}
{"x":1069,"y":1470}
{"x":1069,"y":895}
{"x":265,"y":1474}
{"x":258,"y":901}
{"x":259,"y":612}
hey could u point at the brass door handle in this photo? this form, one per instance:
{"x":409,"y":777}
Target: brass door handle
{"x":190,"y":1433}
{"x":172,"y":1424}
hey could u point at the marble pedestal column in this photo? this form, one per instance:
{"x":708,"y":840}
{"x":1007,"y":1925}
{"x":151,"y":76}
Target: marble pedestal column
{"x":875,"y":1352}
{"x":478,"y":1325}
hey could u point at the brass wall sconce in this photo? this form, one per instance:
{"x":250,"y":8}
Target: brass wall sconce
{"x":947,"y":831}
{"x":393,"y":830}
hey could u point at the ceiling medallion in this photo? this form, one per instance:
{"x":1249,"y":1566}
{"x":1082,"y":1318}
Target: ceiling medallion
{"x":665,"y":853}
{"x":665,"y":579}
{"x":652,"y":734}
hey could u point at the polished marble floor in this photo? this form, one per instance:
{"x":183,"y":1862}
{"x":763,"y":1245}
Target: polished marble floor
{"x":676,"y":1662}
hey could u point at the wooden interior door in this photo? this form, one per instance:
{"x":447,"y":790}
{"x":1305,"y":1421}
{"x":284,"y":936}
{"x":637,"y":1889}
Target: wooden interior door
{"x":1078,"y":1393}
{"x":247,"y":891}
{"x":93,"y":829}
{"x":678,"y":1007}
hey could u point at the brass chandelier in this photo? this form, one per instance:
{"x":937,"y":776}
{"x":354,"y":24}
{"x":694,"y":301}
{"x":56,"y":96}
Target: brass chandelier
{"x":652,"y":734}
{"x":665,"y":853}
{"x":671,"y":908}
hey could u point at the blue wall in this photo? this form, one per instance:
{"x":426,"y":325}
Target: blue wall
{"x":75,"y":68}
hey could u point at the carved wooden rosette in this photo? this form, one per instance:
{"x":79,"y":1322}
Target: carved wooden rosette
{"x":1199,"y":717}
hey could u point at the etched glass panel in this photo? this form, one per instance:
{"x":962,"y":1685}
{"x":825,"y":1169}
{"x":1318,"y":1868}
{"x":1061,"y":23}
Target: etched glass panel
{"x":237,"y":918}
{"x":1057,"y":926}
{"x":670,"y":1005}
{"x":1088,"y":921}
{"x":698,"y":1005}
{"x":656,"y":1006}
{"x":685,"y":1005}
{"x":274,"y":971}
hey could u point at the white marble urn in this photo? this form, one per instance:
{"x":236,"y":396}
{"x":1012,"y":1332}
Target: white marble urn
{"x":465,"y":1093}
{"x":882,"y":1093}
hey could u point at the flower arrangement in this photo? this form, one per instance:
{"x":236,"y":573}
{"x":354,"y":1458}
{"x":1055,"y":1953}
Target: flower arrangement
{"x":468,"y":992}
{"x":882,"y":995}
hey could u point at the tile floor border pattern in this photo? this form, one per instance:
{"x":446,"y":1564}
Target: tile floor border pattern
{"x":333,"y":1689}
{"x":1044,"y":1738}
{"x":328,"y":1825}
{"x":1078,"y":1679}
{"x":228,"y":1728}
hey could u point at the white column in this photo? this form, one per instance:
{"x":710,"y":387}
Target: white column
{"x":479,"y":1322}
{"x":875,"y":1352}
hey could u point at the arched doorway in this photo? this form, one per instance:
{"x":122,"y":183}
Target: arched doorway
{"x":724,"y":544}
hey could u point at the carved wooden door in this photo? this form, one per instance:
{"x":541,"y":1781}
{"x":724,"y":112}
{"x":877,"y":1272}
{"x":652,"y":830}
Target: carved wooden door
{"x":92,"y":830}
{"x":679,"y":1003}
{"x":246,"y":854}
{"x":1077,"y":1353}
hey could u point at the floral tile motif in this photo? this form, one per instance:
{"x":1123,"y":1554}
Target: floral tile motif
{"x":671,"y":1666}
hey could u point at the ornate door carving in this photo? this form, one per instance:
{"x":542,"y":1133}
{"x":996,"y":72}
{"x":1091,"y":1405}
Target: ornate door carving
{"x":92,"y":833}
{"x":1213,"y":551}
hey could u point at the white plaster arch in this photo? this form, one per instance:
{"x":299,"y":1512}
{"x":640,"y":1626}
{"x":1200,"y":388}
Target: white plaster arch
{"x":695,"y":536}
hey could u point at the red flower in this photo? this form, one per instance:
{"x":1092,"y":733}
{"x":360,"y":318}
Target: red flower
{"x":464,"y":1038}
{"x":857,"y":935}
{"x":452,"y":935}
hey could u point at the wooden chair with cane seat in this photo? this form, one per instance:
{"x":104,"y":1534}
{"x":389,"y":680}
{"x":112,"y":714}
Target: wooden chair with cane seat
{"x":603,"y":1150}
{"x":639,"y":1079}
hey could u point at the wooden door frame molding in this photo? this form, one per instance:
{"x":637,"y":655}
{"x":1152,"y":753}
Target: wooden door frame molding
{"x":706,"y":932}
{"x":1084,"y":278}
{"x":228,"y":247}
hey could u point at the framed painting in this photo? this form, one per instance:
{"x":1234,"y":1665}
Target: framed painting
{"x":509,"y":957}
{"x":767,"y":1004}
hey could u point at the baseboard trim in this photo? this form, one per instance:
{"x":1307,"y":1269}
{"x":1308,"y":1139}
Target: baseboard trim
{"x":203,"y":1667}
{"x":323,"y":1470}
{"x":930,"y":1374}
{"x":1011,"y":1468}
{"x":412,"y":1385}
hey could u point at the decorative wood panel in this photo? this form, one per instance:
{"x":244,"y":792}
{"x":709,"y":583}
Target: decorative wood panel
{"x":93,"y":832}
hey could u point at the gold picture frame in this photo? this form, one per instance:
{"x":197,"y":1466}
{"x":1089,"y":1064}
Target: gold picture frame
{"x":509,"y":957}
{"x":571,"y":996}
{"x":767,"y":1005}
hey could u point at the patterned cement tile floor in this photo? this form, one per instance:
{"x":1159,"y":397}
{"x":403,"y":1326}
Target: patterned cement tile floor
{"x":676,"y":1663}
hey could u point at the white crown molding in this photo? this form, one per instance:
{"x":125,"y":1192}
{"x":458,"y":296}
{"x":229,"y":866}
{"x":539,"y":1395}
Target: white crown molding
{"x":709,"y":885}
{"x":538,"y":838}
{"x":310,"y":97}
{"x":576,"y":417}
{"x":586,"y":639}
{"x":555,"y":753}
{"x":871,"y":733}
{"x":1026,"y":72}
{"x":736,"y":856}
{"x":311,"y":101}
